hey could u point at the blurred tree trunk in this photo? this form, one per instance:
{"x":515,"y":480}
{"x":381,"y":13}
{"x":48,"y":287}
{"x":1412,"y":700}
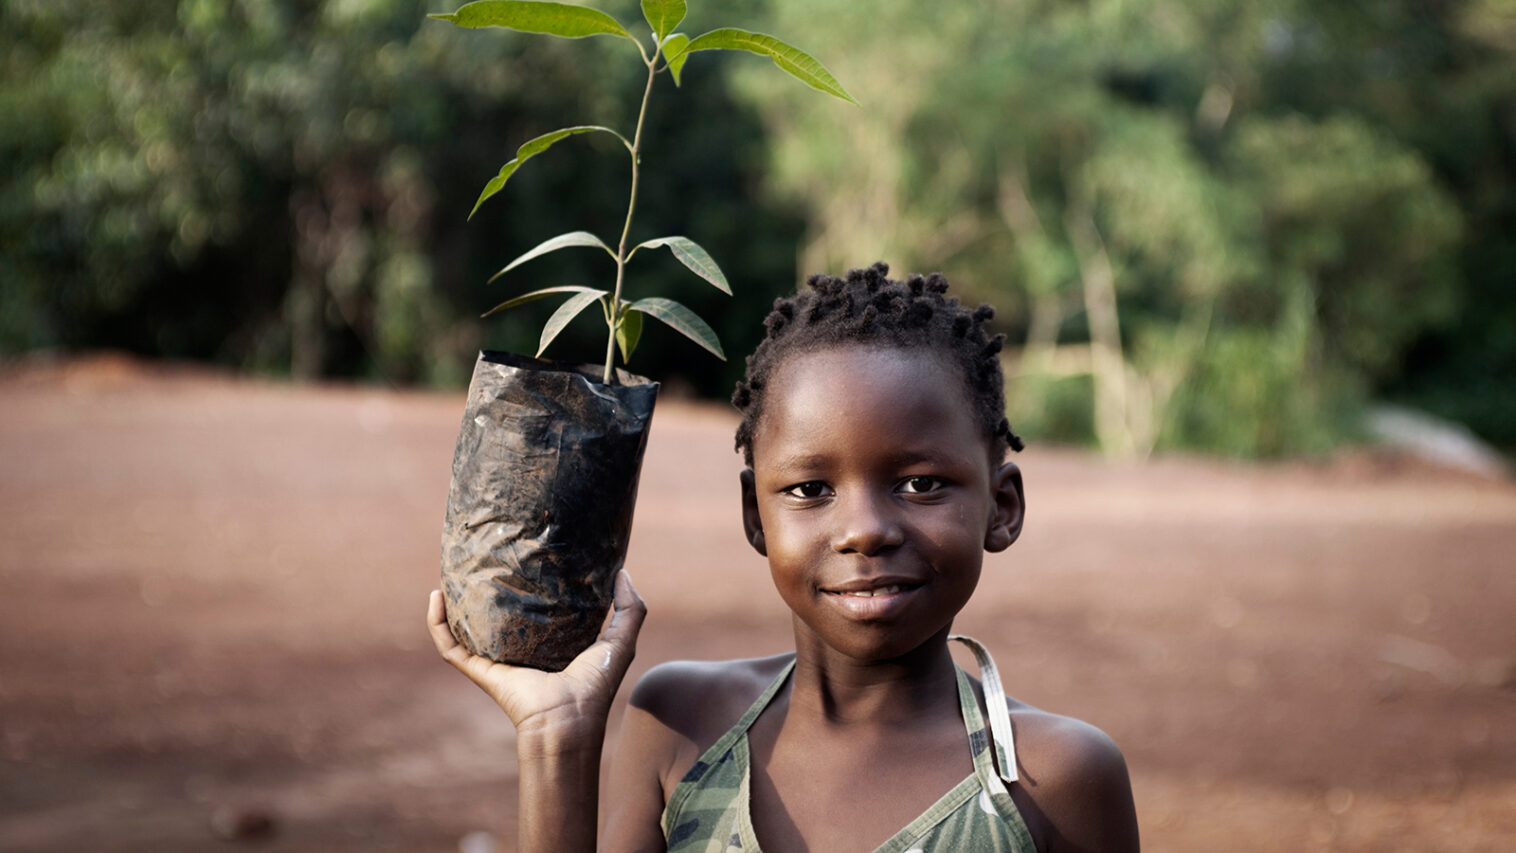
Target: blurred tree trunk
{"x":307,"y":296}
{"x":1046,"y":305}
{"x":329,"y":258}
{"x":1113,"y":408}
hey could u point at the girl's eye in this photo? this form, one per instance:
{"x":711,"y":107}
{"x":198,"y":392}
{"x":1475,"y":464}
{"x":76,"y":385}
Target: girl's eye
{"x":810,"y":489}
{"x":920,"y":485}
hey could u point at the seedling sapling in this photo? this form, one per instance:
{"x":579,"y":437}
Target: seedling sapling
{"x":666,"y":51}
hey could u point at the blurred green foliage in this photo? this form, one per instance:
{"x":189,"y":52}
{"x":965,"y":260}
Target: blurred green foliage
{"x":1214,"y":225}
{"x":282,"y":185}
{"x":1217,"y":225}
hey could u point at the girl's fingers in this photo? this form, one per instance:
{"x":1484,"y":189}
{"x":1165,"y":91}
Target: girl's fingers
{"x":618,"y":644}
{"x":436,"y":623}
{"x":627,"y":611}
{"x":442,"y":636}
{"x":478,"y":669}
{"x":610,"y":656}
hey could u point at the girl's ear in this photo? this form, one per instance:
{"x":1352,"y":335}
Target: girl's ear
{"x":752,"y":524}
{"x":1009,"y":510}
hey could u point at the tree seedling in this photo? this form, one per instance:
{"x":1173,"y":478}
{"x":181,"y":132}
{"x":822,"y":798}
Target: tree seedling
{"x":666,"y":51}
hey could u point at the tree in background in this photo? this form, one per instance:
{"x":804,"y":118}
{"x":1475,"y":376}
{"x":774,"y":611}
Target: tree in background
{"x":214,"y":179}
{"x":1215,"y":225}
{"x":265,"y":183}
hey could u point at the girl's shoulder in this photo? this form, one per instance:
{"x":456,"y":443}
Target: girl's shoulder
{"x":675,"y":713}
{"x":1075,"y":778}
{"x":680,"y":709}
{"x":700,"y":700}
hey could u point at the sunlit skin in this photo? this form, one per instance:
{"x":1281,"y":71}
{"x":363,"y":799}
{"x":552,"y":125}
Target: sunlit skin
{"x":874,"y":494}
{"x":874,"y":497}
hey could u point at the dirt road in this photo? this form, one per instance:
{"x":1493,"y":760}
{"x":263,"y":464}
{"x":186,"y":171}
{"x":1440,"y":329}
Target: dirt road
{"x":211,"y":600}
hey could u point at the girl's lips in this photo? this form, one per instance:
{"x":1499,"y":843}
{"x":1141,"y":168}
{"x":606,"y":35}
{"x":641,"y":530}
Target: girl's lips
{"x":870,"y":593}
{"x":868,"y":603}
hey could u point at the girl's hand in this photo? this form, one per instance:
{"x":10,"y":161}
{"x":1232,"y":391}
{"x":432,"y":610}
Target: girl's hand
{"x":576,"y":699}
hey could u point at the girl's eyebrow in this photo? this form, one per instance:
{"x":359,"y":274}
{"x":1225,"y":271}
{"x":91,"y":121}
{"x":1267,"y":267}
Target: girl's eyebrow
{"x":913,"y":457}
{"x":820,"y":461}
{"x":802,"y":461}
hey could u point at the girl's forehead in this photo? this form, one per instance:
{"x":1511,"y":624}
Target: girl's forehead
{"x":865,"y":397}
{"x":845,"y":372}
{"x":867,"y":359}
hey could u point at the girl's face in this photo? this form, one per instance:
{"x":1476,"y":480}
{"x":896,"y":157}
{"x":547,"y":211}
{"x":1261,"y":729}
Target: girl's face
{"x":873,"y":496}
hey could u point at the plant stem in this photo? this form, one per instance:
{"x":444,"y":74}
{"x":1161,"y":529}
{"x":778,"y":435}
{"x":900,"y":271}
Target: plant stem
{"x":631,"y":207}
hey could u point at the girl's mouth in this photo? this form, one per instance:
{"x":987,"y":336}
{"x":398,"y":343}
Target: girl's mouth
{"x":867,"y":603}
{"x":870,"y":593}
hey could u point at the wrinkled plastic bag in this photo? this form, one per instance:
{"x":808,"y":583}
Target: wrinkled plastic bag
{"x":540,"y":507}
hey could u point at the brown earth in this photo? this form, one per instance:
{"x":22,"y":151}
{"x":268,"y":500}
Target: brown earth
{"x":212,"y":591}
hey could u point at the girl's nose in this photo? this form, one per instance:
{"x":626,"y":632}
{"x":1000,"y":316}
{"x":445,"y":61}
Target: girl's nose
{"x":866,"y":525}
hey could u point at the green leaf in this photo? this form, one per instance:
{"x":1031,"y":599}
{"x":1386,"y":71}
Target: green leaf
{"x":682,"y":319}
{"x":675,"y":54}
{"x":562,"y":241}
{"x":797,"y":62}
{"x":691,"y":255}
{"x":538,"y":294}
{"x":566,"y":312}
{"x":628,"y":333}
{"x":663,"y":15}
{"x":537,"y":16}
{"x":532,"y":148}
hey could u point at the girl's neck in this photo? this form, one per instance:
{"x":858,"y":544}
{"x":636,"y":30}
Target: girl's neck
{"x":905,"y":690}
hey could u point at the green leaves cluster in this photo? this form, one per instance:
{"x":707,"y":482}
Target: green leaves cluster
{"x":667,"y":51}
{"x":627,"y":322}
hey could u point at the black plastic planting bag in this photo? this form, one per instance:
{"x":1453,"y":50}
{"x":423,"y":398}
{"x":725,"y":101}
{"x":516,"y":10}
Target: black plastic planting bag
{"x":540,"y":509}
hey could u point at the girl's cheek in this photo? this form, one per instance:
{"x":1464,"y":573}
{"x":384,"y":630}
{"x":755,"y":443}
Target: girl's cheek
{"x":790,"y":538}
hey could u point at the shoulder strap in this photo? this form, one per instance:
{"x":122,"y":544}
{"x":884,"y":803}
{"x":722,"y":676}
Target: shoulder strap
{"x":745,"y":722}
{"x":994,"y":698}
{"x":732,"y":741}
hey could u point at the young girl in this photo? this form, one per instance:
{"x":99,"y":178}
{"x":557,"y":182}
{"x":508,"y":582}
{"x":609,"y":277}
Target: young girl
{"x":874,"y":437}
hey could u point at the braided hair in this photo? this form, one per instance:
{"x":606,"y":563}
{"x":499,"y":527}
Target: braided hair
{"x":870,"y":309}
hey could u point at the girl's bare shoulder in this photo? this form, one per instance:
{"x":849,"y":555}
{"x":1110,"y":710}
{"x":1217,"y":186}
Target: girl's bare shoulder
{"x":675,"y":713}
{"x":1076,"y":778}
{"x":700,"y":700}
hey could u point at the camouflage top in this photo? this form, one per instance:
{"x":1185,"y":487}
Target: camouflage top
{"x":708,"y":811}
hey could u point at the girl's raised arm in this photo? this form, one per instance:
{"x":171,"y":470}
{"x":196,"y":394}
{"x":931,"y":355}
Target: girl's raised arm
{"x":560,"y":720}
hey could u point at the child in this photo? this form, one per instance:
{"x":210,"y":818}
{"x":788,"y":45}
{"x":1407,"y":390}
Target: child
{"x":874,"y":437}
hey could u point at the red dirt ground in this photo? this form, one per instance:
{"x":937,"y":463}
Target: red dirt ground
{"x":212,"y":594}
